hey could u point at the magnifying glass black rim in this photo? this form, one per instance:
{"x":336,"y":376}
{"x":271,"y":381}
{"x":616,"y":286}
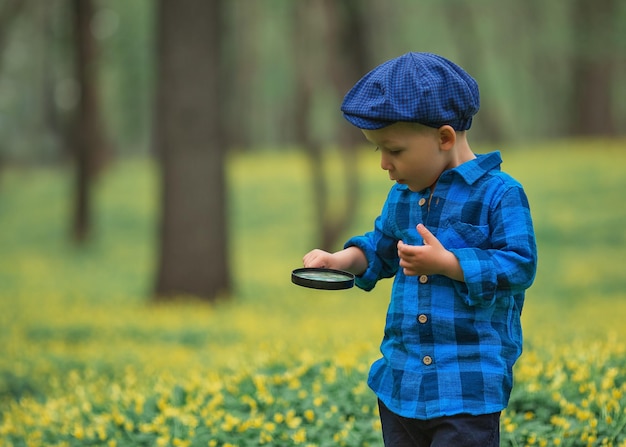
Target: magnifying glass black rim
{"x":320,"y":284}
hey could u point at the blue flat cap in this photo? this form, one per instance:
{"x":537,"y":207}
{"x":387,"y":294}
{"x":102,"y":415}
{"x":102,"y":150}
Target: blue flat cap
{"x":415,"y":87}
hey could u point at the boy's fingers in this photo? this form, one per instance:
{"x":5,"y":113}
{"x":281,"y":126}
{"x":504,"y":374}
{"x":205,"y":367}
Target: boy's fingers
{"x":315,"y":259}
{"x":428,"y":237}
{"x":402,"y":248}
{"x":308,"y":258}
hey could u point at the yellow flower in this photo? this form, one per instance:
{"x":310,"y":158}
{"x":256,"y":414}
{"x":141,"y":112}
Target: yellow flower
{"x":265,"y":437}
{"x":299,"y":436}
{"x":230,"y":422}
{"x":102,"y":433}
{"x":79,"y":432}
{"x":292,"y":420}
{"x":278,"y":418}
{"x":250,"y":402}
{"x":309,"y":415}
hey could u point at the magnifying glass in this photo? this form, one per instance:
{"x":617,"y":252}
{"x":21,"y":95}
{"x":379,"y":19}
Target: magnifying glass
{"x":323,"y":279}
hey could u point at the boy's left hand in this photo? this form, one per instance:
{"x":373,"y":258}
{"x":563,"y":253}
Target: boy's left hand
{"x":432,"y":258}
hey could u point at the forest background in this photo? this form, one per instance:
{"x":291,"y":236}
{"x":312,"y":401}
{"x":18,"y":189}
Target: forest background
{"x":84,"y":358}
{"x":546,"y":69}
{"x":89,"y":81}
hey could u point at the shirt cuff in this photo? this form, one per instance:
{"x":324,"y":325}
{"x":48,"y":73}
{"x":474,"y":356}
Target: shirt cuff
{"x":368,"y":279}
{"x":481,"y":280}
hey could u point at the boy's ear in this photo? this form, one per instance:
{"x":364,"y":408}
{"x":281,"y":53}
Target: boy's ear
{"x":447,"y":137}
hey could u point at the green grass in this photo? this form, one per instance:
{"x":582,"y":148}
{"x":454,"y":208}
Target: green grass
{"x":85,"y":358}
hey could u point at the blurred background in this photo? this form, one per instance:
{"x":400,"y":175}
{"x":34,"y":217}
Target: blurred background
{"x":88,"y":84}
{"x":159,"y":155}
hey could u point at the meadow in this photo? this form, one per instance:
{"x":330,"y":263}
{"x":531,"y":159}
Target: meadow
{"x":87,"y":360}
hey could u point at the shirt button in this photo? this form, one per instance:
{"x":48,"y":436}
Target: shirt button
{"x":427,"y":360}
{"x":422,"y":201}
{"x":422,"y":318}
{"x":423,"y":279}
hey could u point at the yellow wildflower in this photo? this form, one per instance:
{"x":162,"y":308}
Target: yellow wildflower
{"x":309,"y":415}
{"x":299,"y":436}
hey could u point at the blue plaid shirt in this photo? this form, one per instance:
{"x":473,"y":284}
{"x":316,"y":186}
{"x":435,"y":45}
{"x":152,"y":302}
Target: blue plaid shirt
{"x":449,"y":346}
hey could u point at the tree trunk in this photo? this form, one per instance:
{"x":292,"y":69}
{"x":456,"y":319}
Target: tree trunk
{"x":89,"y":145}
{"x":193,"y":257}
{"x":347,"y":62}
{"x":464,"y":23}
{"x":9,"y":10}
{"x":593,"y":67}
{"x":342,"y":63}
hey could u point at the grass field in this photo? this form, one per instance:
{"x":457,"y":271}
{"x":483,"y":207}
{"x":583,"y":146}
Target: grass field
{"x":86,"y":360}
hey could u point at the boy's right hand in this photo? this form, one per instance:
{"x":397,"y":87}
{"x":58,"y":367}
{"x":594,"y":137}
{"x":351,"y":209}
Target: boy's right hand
{"x":351,"y":259}
{"x":319,"y":259}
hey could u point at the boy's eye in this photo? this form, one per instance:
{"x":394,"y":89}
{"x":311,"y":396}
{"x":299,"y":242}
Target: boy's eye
{"x":389,"y":151}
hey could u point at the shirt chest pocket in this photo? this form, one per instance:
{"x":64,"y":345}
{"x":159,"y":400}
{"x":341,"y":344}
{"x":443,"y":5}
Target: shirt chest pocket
{"x":464,"y":235}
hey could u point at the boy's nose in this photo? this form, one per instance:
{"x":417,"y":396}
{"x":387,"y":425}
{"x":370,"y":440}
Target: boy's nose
{"x":385,"y":164}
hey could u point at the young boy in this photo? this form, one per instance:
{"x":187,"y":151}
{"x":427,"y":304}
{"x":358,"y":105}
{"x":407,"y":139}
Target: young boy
{"x":456,"y":234}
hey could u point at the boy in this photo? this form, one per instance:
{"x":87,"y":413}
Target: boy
{"x":456,"y":233}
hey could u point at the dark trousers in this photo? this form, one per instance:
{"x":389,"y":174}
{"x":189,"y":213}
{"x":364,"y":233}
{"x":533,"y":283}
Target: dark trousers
{"x":459,"y":431}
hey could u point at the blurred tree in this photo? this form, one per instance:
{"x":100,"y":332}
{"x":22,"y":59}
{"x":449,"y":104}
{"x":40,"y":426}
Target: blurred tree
{"x":188,"y":134}
{"x":126,"y":32}
{"x":89,"y":142}
{"x":593,"y":66}
{"x":348,"y":60}
{"x":9,"y":10}
{"x":546,"y":69}
{"x":464,"y":21}
{"x":338,"y":63}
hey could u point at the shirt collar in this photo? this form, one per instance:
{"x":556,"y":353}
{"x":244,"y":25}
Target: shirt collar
{"x":470,"y":171}
{"x":474,"y":169}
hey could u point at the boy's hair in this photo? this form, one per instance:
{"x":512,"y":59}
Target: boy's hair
{"x":422,"y":88}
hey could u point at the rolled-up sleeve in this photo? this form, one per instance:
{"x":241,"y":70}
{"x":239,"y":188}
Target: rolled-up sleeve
{"x":508,"y":267}
{"x":380,"y":249}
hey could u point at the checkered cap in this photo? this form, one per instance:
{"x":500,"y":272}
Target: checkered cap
{"x":415,"y":87}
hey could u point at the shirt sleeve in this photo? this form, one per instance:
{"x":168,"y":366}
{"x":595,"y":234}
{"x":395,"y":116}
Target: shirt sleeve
{"x":380,"y":249}
{"x":508,"y":267}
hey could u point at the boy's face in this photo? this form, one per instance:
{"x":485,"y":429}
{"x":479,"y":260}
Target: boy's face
{"x":410,"y":153}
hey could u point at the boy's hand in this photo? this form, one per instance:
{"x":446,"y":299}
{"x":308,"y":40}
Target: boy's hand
{"x":351,"y":259}
{"x":319,"y":259}
{"x":429,"y":259}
